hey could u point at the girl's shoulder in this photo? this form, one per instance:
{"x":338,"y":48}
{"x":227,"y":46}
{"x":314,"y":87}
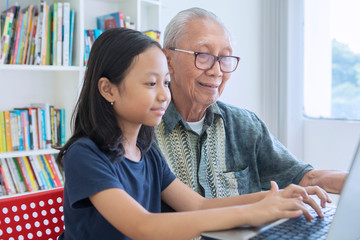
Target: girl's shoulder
{"x":82,"y":144}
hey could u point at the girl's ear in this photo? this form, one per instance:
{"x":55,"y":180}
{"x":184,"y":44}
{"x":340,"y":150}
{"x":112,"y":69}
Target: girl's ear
{"x":106,"y":89}
{"x":168,"y":54}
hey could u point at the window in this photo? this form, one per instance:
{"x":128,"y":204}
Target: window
{"x":332,"y":59}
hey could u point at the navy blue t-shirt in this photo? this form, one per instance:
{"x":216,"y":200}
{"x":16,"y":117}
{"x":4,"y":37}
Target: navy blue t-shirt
{"x":88,"y":171}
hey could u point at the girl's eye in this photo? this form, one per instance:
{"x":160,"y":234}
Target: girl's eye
{"x":167,"y":83}
{"x":151,"y":84}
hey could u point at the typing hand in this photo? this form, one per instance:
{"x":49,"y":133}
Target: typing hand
{"x":303,"y":192}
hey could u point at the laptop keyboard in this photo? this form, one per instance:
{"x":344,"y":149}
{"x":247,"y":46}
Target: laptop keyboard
{"x":299,"y":228}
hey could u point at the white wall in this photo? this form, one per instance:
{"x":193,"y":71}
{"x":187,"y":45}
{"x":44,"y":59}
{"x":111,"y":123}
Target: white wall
{"x":243,"y":19}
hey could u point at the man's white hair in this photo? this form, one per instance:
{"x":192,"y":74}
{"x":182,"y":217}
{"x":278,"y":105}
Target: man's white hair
{"x":177,"y":26}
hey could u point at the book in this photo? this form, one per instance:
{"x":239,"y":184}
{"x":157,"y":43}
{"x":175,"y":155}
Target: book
{"x":18,"y":37}
{"x":48,"y":35}
{"x":16,"y":176}
{"x":57,"y":169}
{"x":8,"y":131}
{"x":59,"y":33}
{"x":46,"y":118}
{"x":15,"y":131}
{"x":2,"y":133}
{"x":30,"y":172}
{"x":39,"y":33}
{"x":66,"y":33}
{"x":62,"y":127}
{"x":53,"y":126}
{"x":22,"y":35}
{"x":21,"y":177}
{"x":16,"y":10}
{"x":72,"y":20}
{"x":8,"y":182}
{"x":26,"y":126}
{"x":31,"y":44}
{"x":44,"y":39}
{"x":34,"y":128}
{"x":54,"y":32}
{"x":111,"y":20}
{"x":27,"y":33}
{"x":38,"y":173}
{"x":46,"y":171}
{"x":6,"y":37}
{"x":24,"y":173}
{"x":87,"y":47}
{"x":54,"y":172}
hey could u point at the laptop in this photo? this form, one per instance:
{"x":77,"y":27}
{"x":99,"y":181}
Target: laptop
{"x":341,"y":222}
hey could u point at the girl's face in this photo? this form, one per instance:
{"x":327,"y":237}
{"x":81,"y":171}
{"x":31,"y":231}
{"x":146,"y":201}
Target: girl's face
{"x":144,"y":94}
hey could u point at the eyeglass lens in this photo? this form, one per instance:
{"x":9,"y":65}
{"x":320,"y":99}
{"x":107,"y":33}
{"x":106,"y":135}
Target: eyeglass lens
{"x":206,"y":61}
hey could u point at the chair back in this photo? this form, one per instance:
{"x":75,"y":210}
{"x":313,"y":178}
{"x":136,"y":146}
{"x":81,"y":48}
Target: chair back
{"x":34,"y":215}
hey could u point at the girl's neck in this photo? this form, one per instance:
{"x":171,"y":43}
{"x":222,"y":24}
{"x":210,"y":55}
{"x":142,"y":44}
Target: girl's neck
{"x":132,"y":153}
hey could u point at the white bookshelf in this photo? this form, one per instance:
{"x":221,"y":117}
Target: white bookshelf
{"x":21,"y":85}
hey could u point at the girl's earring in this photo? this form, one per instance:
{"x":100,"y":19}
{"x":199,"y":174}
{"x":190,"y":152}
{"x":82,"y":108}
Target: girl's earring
{"x":112,"y":103}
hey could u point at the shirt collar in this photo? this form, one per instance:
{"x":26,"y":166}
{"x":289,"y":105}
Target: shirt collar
{"x":172,"y":117}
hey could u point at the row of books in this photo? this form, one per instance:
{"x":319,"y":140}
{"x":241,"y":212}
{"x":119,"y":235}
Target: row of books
{"x":37,"y":35}
{"x":113,"y":20}
{"x":90,"y":35}
{"x":40,"y":126}
{"x":28,"y":174}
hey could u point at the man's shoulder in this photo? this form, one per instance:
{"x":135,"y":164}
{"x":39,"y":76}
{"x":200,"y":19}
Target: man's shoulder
{"x":230,"y":111}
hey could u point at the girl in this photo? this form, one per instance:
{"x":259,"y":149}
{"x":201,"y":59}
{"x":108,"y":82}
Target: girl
{"x":115,"y":180}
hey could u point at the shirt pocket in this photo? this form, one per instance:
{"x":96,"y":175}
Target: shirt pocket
{"x":238,"y":181}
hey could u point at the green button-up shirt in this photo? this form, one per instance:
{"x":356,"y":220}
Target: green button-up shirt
{"x":235,"y":153}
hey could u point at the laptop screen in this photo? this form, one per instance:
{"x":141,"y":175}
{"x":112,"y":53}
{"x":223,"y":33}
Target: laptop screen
{"x":346,"y":223}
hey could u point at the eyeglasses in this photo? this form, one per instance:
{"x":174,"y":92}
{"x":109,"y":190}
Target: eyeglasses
{"x":205,"y":61}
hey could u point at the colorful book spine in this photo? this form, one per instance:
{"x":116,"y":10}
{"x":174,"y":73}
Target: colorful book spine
{"x":22,"y":37}
{"x":34,"y":128}
{"x":31,"y":52}
{"x":25,"y":174}
{"x":8,"y":181}
{"x":44,"y":39}
{"x":18,"y":37}
{"x":62,"y":127}
{"x":72,"y":20}
{"x":6,"y":37}
{"x":66,"y":33}
{"x":52,"y":124}
{"x":15,"y":140}
{"x":39,"y":33}
{"x":57,"y":169}
{"x":54,"y":33}
{"x":59,"y":33}
{"x":2,"y":133}
{"x":54,"y":174}
{"x":5,"y":178}
{"x":31,"y":174}
{"x":37,"y":172}
{"x":21,"y":177}
{"x":8,"y":131}
{"x":48,"y":35}
{"x":28,"y":33}
{"x":46,"y":172}
{"x":18,"y":183}
{"x":46,"y":108}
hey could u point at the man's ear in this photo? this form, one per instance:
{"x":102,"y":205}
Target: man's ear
{"x":169,"y":55}
{"x":106,"y":89}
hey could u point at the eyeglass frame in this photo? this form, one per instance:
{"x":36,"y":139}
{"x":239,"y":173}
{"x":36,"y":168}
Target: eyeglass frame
{"x":216,"y":59}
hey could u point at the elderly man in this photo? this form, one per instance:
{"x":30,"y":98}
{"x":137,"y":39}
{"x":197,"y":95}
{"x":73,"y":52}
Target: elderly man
{"x":217,"y":149}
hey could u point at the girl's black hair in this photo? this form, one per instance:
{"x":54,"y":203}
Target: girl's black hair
{"x":111,"y":56}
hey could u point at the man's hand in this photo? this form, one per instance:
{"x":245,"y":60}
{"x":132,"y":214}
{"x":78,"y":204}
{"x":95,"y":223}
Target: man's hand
{"x":331,"y":181}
